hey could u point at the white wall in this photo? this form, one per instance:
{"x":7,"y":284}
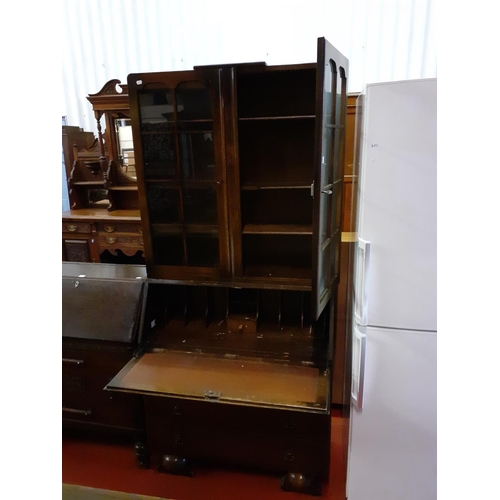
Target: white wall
{"x":106,"y":39}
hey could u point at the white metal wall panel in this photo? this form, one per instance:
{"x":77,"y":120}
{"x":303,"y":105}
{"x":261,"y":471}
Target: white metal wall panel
{"x":384,"y":40}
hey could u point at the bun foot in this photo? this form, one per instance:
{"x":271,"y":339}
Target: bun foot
{"x":301,"y":483}
{"x":142,"y":455}
{"x":170,"y":464}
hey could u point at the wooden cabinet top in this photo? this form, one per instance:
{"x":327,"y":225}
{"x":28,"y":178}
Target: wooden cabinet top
{"x":102,"y":215}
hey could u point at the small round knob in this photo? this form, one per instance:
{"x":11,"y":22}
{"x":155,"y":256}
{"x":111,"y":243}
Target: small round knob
{"x":289,"y":457}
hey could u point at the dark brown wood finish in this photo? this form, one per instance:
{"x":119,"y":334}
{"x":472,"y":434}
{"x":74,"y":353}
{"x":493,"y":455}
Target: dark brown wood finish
{"x":242,"y":334}
{"x":229,"y":98}
{"x":171,"y":83}
{"x":328,"y":159}
{"x":265,"y":438}
{"x":100,"y":322}
{"x":261,"y":239}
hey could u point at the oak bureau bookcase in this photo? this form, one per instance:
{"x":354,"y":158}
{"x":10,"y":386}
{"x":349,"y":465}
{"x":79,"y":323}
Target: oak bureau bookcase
{"x":240,"y":182}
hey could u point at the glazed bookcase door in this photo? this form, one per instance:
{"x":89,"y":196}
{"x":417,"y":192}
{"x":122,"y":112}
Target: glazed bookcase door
{"x":176,"y":126}
{"x":331,"y":117}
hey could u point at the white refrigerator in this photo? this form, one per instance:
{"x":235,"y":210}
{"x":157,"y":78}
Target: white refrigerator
{"x":392,"y":435}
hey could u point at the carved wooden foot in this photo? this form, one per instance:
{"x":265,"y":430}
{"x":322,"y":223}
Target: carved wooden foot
{"x":172,"y":464}
{"x":301,"y":483}
{"x":142,"y":455}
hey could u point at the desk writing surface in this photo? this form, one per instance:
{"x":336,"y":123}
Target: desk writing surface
{"x":235,"y":378}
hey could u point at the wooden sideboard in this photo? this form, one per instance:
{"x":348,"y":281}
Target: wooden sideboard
{"x":97,"y":235}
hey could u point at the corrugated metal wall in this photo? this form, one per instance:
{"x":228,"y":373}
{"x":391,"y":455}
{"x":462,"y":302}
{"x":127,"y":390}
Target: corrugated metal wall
{"x":383,"y":39}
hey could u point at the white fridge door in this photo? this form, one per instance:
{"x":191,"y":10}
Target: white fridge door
{"x":392,"y":448}
{"x":397,"y":205}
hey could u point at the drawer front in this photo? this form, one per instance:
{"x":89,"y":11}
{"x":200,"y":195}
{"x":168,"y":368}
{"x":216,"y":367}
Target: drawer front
{"x":104,"y":408}
{"x":77,"y":227}
{"x":98,"y":361}
{"x":255,"y":421}
{"x":119,"y":227}
{"x":271,"y":452}
{"x":113,"y":240}
{"x":86,"y":369}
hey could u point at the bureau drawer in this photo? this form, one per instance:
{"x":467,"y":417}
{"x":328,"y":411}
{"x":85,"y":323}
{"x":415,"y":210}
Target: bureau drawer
{"x":239,"y":419}
{"x":77,"y":227}
{"x":119,"y":227}
{"x":98,"y":361}
{"x":272,"y":452}
{"x":101,"y":407}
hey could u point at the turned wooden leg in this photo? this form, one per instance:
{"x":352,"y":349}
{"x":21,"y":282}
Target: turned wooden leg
{"x":142,"y":455}
{"x":172,"y":464}
{"x":301,"y":483}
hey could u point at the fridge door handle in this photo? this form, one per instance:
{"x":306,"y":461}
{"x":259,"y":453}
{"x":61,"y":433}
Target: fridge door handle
{"x":358,"y":367}
{"x":363,"y":250}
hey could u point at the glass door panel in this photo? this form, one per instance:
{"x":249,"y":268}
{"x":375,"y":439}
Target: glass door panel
{"x":197,"y":156}
{"x":159,"y":155}
{"x":200,"y":205}
{"x":329,"y":159}
{"x":179,"y":151}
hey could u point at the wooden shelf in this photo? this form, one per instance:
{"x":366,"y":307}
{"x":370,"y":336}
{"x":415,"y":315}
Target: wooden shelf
{"x":298,"y":229}
{"x":291,"y":117}
{"x":190,"y":183}
{"x":123,"y":188}
{"x":251,"y":186}
{"x":278,"y":272}
{"x":89,"y":183}
{"x":178,"y":228}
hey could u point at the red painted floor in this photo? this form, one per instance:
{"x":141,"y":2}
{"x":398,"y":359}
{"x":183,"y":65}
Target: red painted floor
{"x":113,"y":467}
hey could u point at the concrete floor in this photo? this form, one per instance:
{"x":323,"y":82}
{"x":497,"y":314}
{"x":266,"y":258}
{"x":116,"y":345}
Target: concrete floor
{"x":75,"y":492}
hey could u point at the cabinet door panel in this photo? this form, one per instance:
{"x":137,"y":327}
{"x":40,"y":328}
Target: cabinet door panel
{"x":329,"y":159}
{"x":176,"y":124}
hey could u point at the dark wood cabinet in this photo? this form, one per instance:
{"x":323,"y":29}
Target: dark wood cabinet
{"x":240,"y":180}
{"x":246,"y":162}
{"x":101,"y":307}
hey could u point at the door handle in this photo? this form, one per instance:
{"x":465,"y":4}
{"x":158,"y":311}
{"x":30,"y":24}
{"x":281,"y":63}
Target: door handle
{"x":363,"y":250}
{"x":358,"y":367}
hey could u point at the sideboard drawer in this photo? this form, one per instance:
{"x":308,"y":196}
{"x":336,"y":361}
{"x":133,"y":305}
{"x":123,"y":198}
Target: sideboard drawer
{"x":120,"y":240}
{"x":118,"y":227}
{"x":77,"y":227}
